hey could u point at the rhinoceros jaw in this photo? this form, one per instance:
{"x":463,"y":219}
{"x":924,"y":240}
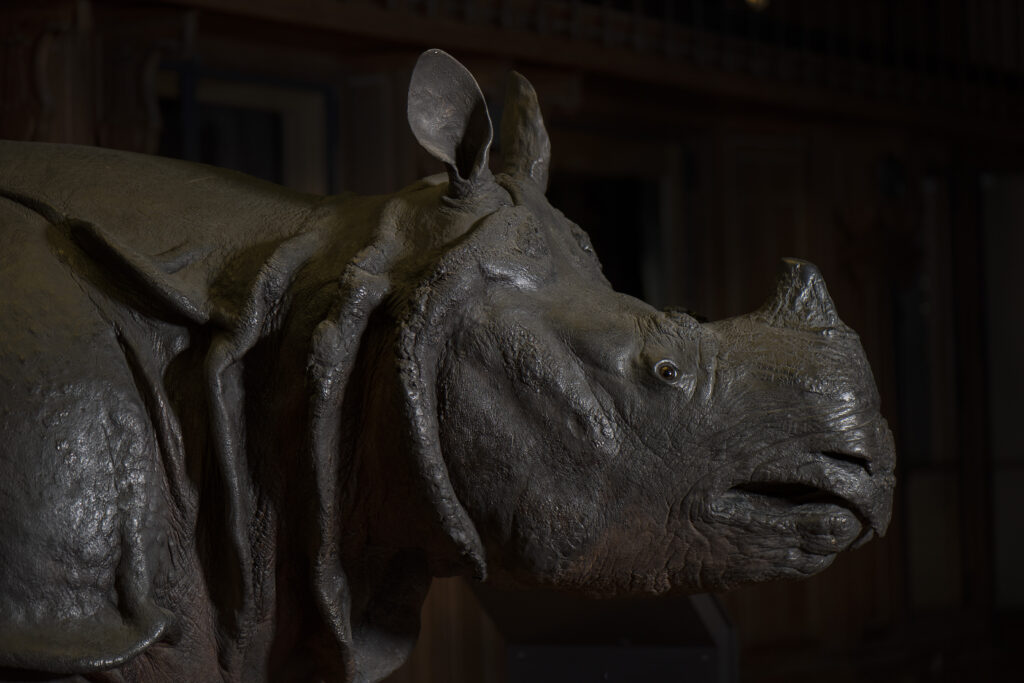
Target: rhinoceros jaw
{"x":823,"y":522}
{"x":823,"y":499}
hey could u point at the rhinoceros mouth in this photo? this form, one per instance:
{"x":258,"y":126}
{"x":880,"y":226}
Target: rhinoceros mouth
{"x":789,"y":494}
{"x":824,"y":499}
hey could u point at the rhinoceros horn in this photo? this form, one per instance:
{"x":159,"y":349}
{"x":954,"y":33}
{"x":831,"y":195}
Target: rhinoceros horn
{"x":448,"y":115}
{"x":801,"y":300}
{"x":524,"y":140}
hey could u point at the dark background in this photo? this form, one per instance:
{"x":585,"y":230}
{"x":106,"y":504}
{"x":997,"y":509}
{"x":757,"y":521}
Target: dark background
{"x":698,"y":141}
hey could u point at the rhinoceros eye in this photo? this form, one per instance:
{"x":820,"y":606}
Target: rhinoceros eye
{"x":667,"y":370}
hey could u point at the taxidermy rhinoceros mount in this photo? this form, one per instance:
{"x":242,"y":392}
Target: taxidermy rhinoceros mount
{"x":243,"y":427}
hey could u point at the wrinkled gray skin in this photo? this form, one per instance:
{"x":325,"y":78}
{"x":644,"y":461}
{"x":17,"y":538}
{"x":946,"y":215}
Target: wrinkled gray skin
{"x":243,"y":427}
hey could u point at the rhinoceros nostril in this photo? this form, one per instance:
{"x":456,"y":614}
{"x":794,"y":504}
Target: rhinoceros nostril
{"x":851,"y":458}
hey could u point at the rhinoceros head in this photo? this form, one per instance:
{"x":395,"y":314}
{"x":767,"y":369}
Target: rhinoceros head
{"x":577,"y":437}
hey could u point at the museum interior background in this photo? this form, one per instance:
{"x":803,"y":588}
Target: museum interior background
{"x":698,"y":141}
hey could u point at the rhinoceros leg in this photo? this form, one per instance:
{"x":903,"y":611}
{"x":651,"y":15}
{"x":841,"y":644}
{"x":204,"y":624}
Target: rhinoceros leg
{"x":81,"y":494}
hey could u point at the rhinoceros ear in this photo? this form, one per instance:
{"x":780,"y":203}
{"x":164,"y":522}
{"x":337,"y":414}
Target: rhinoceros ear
{"x":448,"y":116}
{"x":524,"y":140}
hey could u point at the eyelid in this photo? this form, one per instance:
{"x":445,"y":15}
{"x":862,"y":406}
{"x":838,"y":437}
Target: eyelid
{"x":667,"y":362}
{"x":684,"y":381}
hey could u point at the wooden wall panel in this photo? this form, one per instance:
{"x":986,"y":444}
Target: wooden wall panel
{"x":47,"y":87}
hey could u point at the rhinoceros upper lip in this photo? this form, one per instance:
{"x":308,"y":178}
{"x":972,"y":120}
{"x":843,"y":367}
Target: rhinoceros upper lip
{"x":800,"y":486}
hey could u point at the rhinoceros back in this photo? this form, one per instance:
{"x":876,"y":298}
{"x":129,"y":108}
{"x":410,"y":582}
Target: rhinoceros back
{"x":176,"y":224}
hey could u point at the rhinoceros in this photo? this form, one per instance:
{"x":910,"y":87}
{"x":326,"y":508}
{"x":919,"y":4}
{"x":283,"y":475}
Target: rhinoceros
{"x":243,"y":427}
